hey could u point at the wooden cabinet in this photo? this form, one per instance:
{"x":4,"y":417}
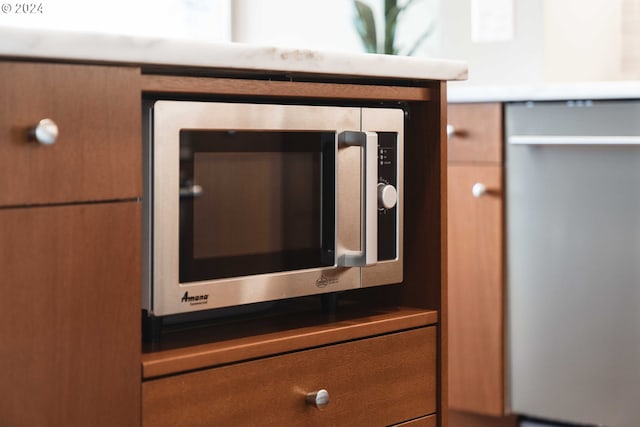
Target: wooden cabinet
{"x":70,"y":247}
{"x":69,"y":343}
{"x":71,"y":259}
{"x":374,"y":382}
{"x":97,"y":154}
{"x":475,"y":133}
{"x":476,"y":260}
{"x":476,"y":361}
{"x":382,"y":356}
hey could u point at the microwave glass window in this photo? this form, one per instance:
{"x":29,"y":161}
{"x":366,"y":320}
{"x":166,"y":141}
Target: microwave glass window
{"x":254,"y":202}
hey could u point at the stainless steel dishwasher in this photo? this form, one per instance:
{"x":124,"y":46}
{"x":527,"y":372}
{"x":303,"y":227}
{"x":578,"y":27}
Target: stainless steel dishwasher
{"x":573,"y":260}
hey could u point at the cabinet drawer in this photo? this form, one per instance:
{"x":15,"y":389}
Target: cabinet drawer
{"x":477,"y":132}
{"x":97,"y":154}
{"x":374,"y":382}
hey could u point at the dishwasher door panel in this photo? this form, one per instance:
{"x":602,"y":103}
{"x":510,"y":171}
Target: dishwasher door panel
{"x":573,"y":272}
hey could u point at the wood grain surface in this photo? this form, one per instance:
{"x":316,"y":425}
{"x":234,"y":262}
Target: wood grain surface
{"x":476,"y":290}
{"x":98,"y":153}
{"x":280,"y":89}
{"x":371,"y":382}
{"x":69,"y":317}
{"x":478,"y":133}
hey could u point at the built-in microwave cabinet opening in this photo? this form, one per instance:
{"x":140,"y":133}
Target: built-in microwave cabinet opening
{"x":416,"y":301}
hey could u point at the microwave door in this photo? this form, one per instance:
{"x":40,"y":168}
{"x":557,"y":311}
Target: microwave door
{"x":251,"y":176}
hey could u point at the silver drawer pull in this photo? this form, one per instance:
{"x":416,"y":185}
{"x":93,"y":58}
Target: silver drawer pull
{"x":45,"y":132}
{"x":451,"y":130}
{"x":192,"y":191}
{"x":319,"y":399}
{"x":478,"y":189}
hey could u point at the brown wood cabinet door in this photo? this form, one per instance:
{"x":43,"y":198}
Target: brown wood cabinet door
{"x":477,"y":133}
{"x":98,"y":153}
{"x":69,"y":316}
{"x":476,"y":282}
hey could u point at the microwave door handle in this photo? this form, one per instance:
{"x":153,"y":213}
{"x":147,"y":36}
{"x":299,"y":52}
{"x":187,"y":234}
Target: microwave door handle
{"x":368,"y":142}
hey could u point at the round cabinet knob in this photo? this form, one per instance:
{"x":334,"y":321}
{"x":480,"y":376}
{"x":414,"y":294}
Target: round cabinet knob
{"x":45,"y":132}
{"x":387,"y":196}
{"x":451,"y":130}
{"x":478,"y":189}
{"x":319,"y":399}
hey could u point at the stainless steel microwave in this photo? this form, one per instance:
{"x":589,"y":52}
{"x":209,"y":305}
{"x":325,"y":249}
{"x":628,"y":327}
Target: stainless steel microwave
{"x":248,"y":203}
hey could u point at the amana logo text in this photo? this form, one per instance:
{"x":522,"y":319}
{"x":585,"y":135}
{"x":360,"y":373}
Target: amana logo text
{"x":324,"y":281}
{"x":194,"y":300}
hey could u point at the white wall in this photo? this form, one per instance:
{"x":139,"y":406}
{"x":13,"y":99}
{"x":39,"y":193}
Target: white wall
{"x":188,"y":19}
{"x":553,"y":41}
{"x":594,"y":40}
{"x":630,"y":66}
{"x":582,"y":41}
{"x":518,"y":60}
{"x":325,"y":24}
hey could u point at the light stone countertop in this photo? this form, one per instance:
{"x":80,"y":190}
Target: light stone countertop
{"x":459,"y":92}
{"x":106,"y":48}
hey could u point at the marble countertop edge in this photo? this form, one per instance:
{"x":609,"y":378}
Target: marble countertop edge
{"x":100,"y":47}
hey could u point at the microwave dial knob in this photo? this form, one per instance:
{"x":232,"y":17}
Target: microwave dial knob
{"x":387,"y":196}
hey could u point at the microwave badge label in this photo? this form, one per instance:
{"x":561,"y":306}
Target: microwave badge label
{"x":324,"y":281}
{"x":194,"y":299}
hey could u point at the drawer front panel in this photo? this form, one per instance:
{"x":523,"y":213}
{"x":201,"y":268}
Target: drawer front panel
{"x":477,"y":132}
{"x":97,"y":154}
{"x":375,"y":382}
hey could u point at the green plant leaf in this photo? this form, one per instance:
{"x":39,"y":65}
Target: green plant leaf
{"x":391,"y":12}
{"x":366,"y":26}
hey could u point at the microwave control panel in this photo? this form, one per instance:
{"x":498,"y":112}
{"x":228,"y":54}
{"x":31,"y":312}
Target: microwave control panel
{"x":387,"y":196}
